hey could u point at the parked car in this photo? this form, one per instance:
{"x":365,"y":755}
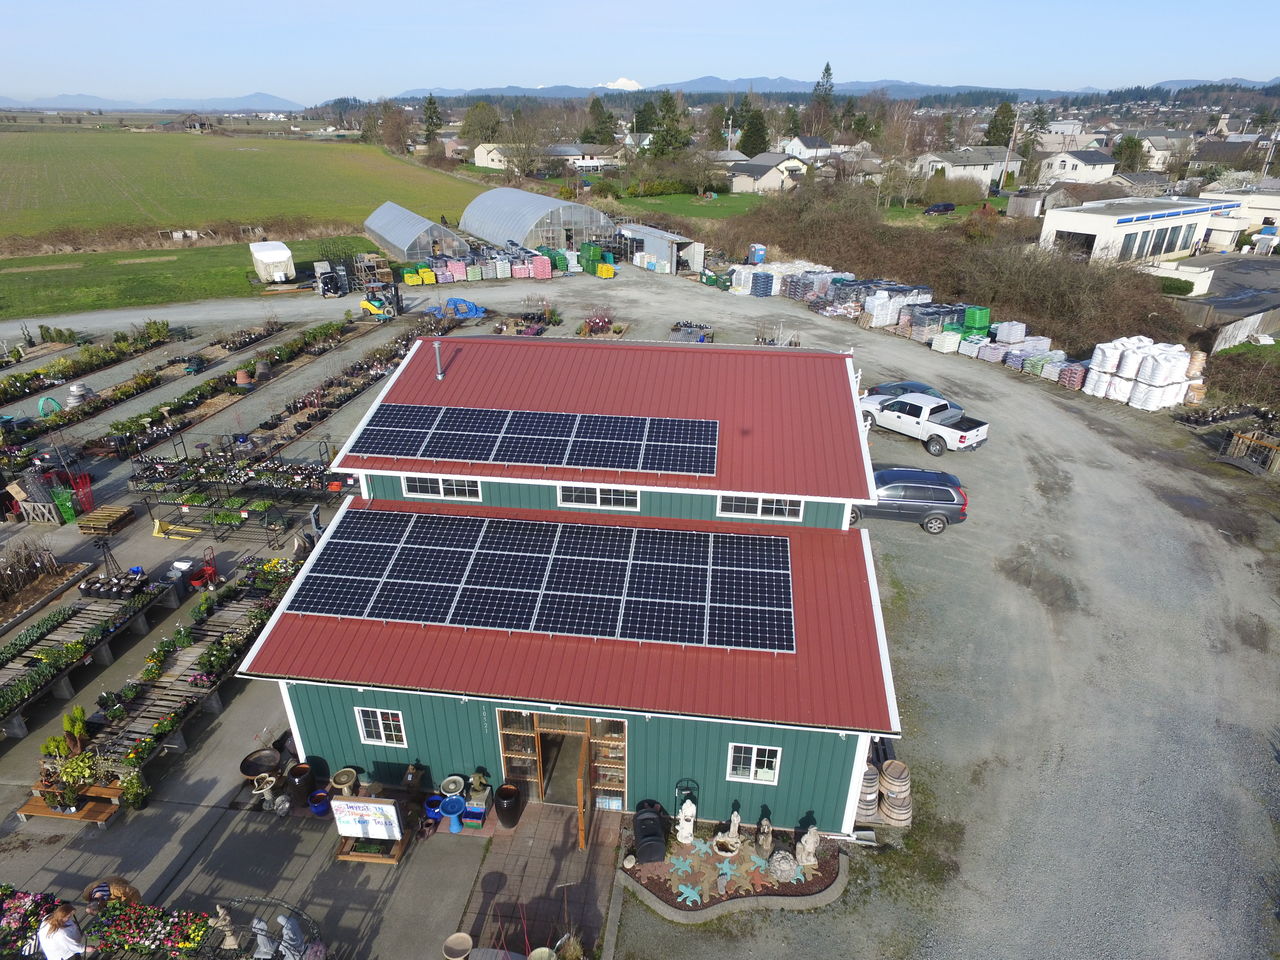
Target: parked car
{"x":937,"y":209}
{"x":896,"y":388}
{"x":932,"y":421}
{"x":930,"y":498}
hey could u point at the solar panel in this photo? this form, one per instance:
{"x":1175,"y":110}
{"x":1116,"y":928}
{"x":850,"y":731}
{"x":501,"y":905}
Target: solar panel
{"x":404,"y":416}
{"x":334,"y":596}
{"x":480,"y":435}
{"x":459,"y":446}
{"x":604,"y":455}
{"x":390,"y":443}
{"x":429,"y":565}
{"x":432,"y":530}
{"x":372,"y":526}
{"x":354,"y":559}
{"x":669,"y":586}
{"x":498,"y":609}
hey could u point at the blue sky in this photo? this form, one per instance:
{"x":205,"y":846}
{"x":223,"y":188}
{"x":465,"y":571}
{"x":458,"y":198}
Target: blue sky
{"x":143,"y":50}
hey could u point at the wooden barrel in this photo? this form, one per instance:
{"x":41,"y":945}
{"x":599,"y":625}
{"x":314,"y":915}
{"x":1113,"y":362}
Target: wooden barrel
{"x":895,"y":778}
{"x":896,"y":811}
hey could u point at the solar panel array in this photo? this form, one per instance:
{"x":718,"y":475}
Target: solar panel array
{"x":672,"y":586}
{"x":651,"y":444}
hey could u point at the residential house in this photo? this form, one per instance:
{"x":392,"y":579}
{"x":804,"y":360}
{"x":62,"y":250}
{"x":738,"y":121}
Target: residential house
{"x":983,"y":165}
{"x":1139,"y":229}
{"x":491,"y":156}
{"x":1142,"y":183}
{"x":1077,"y":166}
{"x":577,"y":589}
{"x":809,"y":149}
{"x":1065,"y":194}
{"x":725,"y":158}
{"x":1059,"y":142}
{"x":1161,"y":146}
{"x":636,"y":141}
{"x":1222,"y":155}
{"x":767,"y":173}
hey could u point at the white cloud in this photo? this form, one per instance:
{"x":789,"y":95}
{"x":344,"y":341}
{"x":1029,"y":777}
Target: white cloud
{"x":622,"y":83}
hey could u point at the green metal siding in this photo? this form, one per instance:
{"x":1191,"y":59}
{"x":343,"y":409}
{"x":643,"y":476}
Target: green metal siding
{"x":681,"y":506}
{"x":447,"y":734}
{"x":453,"y":736}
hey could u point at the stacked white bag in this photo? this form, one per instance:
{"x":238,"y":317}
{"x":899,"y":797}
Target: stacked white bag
{"x":1137,"y":371}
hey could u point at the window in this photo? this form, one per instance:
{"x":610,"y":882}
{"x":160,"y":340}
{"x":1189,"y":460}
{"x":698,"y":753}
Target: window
{"x":612,"y":498}
{"x":749,"y":764}
{"x":1157,"y":242}
{"x":1187,"y":234}
{"x":1126,"y":248}
{"x":1075,"y":166}
{"x":442,"y":487}
{"x":1142,"y":245}
{"x":776,"y":508}
{"x":381,"y":726}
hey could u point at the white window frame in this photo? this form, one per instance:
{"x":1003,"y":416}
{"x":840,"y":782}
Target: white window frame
{"x":597,"y":493}
{"x":440,"y":482}
{"x":380,"y":717}
{"x":758,"y":511}
{"x":755,"y":757}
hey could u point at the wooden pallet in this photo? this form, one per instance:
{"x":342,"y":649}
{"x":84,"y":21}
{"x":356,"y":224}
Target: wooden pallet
{"x":105,"y":520}
{"x":110,"y":793}
{"x":97,"y":812}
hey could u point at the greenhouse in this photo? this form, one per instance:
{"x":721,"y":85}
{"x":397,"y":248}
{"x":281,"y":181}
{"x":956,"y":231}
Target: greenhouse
{"x":506,"y":215}
{"x":409,"y":238}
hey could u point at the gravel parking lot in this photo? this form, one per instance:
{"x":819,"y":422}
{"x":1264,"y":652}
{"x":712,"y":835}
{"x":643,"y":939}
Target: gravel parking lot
{"x":1085,"y":668}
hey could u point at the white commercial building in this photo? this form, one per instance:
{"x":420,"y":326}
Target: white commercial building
{"x":1136,"y":228}
{"x":1258,"y":205}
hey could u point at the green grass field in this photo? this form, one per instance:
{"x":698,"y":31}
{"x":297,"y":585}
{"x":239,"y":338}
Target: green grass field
{"x":180,"y":181}
{"x":68,"y":283}
{"x":689,"y":205}
{"x":914,"y":213}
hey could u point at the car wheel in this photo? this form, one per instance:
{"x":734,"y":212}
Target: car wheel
{"x":936,"y":446}
{"x":854,"y":516}
{"x":934,"y":525}
{"x":868,"y":419}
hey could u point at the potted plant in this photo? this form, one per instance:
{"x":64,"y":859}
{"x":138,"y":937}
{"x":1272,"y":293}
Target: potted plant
{"x":134,"y":791}
{"x":75,"y":730}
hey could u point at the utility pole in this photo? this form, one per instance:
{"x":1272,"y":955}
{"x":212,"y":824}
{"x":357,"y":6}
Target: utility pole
{"x":1013,"y":135}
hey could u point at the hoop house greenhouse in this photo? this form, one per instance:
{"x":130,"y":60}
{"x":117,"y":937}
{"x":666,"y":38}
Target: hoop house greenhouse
{"x":532,"y":220}
{"x":410,"y":238}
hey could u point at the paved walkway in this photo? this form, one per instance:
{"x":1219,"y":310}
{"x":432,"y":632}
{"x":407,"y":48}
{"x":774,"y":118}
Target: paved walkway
{"x":535,"y":885}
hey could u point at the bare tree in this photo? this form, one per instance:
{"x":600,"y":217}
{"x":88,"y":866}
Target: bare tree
{"x":525,"y":138}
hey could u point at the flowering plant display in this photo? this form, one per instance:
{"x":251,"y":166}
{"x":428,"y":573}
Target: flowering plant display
{"x":142,"y":748}
{"x":20,"y":912}
{"x":202,"y":680}
{"x":140,"y":927}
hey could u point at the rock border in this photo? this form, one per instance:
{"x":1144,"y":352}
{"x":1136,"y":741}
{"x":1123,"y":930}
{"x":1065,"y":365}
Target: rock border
{"x":762,"y":901}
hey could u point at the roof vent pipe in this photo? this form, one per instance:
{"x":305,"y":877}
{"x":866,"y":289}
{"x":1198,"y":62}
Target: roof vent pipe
{"x":439,"y":366}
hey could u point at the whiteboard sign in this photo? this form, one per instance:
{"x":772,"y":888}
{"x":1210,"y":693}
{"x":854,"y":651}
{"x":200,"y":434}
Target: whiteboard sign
{"x":366,"y":818}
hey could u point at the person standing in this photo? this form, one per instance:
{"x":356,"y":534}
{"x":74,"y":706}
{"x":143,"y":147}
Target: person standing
{"x":60,"y":936}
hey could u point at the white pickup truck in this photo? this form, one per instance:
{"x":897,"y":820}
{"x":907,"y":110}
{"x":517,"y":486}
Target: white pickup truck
{"x":937,"y":423}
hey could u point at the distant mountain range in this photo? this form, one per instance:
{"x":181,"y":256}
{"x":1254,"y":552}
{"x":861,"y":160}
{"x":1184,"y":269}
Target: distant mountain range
{"x":255,"y":102}
{"x":1238,"y":81}
{"x":266,"y":102}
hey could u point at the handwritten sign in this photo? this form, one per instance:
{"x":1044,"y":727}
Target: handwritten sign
{"x":366,"y":818}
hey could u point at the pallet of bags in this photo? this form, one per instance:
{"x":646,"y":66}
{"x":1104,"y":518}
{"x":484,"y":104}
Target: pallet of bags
{"x":969,"y":346}
{"x":1010,"y":331}
{"x":946,"y":342}
{"x":992,"y":352}
{"x":1073,"y":375}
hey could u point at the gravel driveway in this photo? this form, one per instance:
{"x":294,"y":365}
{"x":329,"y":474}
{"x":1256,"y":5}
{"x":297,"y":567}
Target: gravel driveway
{"x":1087,"y":668}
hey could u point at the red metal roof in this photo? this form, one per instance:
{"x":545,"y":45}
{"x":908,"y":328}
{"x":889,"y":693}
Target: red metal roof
{"x":835,"y":679}
{"x":788,"y":418}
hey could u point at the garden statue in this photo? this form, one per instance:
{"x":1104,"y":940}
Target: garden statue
{"x":728,"y":843}
{"x":764,"y":838}
{"x":292,"y":941}
{"x":807,"y":848}
{"x":735,"y":820}
{"x":266,"y":945}
{"x":684,"y":822}
{"x":222,"y":923}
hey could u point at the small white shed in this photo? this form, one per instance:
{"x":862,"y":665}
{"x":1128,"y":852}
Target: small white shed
{"x":273,"y":261}
{"x":665,"y":247}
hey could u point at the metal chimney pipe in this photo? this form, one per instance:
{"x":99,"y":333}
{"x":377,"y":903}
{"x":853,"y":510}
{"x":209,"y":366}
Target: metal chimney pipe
{"x":439,"y":365}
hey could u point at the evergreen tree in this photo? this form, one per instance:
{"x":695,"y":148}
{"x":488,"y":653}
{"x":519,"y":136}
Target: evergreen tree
{"x":432,"y":121}
{"x":646,"y":119}
{"x":755,"y":134}
{"x":481,"y":124}
{"x":1129,"y":154}
{"x":947,"y":132}
{"x":822,"y":104}
{"x":1036,"y":127}
{"x":1000,"y":129}
{"x":714,"y":130}
{"x":670,"y":137}
{"x":600,"y":123}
